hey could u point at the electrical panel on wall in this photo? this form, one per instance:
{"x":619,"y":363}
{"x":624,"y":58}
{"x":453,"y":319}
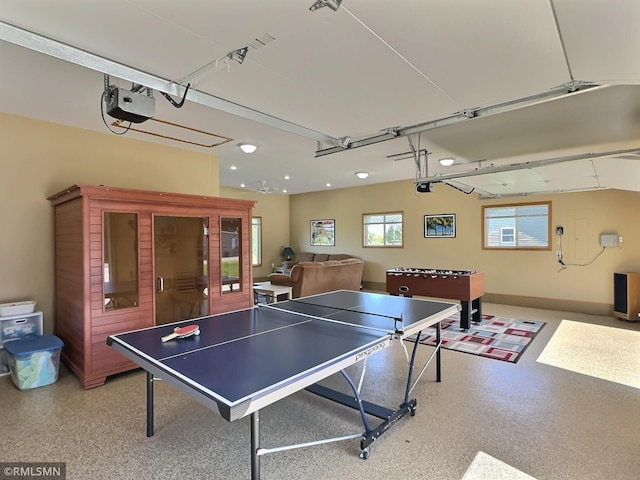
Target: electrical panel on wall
{"x":608,"y":239}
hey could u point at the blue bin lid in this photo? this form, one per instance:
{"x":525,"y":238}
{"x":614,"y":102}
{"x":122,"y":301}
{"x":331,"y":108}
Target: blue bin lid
{"x":32,"y":344}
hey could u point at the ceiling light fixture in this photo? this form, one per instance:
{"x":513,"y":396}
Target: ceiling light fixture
{"x":447,"y":162}
{"x":233,"y":167}
{"x":286,"y":177}
{"x":362,"y":174}
{"x":328,"y":185}
{"x":247,"y":147}
{"x":242,"y":185}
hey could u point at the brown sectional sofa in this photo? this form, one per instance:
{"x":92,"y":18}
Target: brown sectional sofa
{"x":313,"y":257}
{"x":310,"y":278}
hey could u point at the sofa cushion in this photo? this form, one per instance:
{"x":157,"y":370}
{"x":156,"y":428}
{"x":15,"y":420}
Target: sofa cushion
{"x":350,"y":260}
{"x":339,"y":256}
{"x":320,"y":257}
{"x":329,"y":262}
{"x":304,"y":257}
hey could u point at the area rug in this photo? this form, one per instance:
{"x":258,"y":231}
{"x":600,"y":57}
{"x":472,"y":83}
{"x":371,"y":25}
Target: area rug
{"x":500,"y":338}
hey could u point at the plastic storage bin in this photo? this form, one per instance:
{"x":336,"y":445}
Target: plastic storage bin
{"x":34,"y":361}
{"x":19,"y":326}
{"x":4,"y":364}
{"x":14,"y":327}
{"x":17,"y":308}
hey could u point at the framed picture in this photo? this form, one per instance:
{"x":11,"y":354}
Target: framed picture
{"x":440,"y":226}
{"x":323,"y":232}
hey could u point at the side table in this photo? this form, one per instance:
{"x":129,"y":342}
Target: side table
{"x":271,"y":292}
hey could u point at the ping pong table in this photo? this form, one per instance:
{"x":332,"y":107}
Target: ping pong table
{"x":245,"y":360}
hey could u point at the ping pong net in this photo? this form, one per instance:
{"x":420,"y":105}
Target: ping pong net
{"x":348,"y":316}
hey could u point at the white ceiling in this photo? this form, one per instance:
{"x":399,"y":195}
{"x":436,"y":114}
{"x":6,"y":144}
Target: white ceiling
{"x":370,"y":66}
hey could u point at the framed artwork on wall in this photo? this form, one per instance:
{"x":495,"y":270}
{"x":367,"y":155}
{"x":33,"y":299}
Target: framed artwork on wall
{"x":323,"y":232}
{"x":440,"y":226}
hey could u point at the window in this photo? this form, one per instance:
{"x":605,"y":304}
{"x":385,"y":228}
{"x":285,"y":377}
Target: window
{"x":256,"y":241}
{"x":507,"y":235}
{"x":230,"y":254}
{"x":382,"y":229}
{"x":519,"y":226}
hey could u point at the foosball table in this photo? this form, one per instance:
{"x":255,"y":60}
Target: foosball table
{"x":467,"y":286}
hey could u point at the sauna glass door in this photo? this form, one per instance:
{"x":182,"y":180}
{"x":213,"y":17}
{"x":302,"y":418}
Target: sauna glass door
{"x":181,"y":268}
{"x":230,"y":254}
{"x":120,"y":260}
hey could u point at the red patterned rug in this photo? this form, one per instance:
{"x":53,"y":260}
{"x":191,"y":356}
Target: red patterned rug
{"x":500,"y":338}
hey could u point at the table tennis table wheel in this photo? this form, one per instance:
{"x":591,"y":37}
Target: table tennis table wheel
{"x":364,"y":454}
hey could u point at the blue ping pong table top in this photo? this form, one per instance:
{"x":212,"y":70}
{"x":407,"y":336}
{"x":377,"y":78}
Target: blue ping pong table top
{"x":384,"y":310}
{"x":261,"y":354}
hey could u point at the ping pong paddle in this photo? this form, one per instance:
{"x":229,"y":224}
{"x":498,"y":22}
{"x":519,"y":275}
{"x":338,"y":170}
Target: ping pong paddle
{"x":182,"y":332}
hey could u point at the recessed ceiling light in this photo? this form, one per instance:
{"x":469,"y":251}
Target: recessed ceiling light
{"x":447,"y":162}
{"x":362,"y":174}
{"x":328,"y":185}
{"x":233,"y":167}
{"x":286,"y":177}
{"x":248,"y":147}
{"x":284,"y":190}
{"x":242,"y":185}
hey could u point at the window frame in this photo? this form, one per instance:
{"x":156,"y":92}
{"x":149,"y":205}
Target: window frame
{"x":259,"y":243}
{"x":515,"y":246}
{"x":384,"y":223}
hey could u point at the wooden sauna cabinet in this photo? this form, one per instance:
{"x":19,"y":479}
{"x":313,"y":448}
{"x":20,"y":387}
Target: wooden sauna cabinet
{"x":94,"y":299}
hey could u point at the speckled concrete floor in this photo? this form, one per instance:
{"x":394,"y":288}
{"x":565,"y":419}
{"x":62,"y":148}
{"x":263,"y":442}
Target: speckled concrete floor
{"x":541,"y":420}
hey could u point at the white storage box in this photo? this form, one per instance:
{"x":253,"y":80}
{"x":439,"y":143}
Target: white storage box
{"x":20,"y":326}
{"x":16,"y":308}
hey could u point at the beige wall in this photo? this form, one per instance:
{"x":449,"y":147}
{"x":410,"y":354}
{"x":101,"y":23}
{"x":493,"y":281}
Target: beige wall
{"x":521,"y":277}
{"x":40,"y":159}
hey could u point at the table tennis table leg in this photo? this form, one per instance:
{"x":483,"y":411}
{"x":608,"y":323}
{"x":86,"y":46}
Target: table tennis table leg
{"x":438,"y":350}
{"x":149,"y":404}
{"x":255,"y":445}
{"x":412,"y":361}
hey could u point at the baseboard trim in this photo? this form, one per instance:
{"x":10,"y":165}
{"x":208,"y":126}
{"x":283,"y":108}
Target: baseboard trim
{"x":589,"y":308}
